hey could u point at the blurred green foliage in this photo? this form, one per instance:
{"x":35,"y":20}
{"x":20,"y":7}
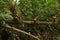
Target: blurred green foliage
{"x":45,"y":9}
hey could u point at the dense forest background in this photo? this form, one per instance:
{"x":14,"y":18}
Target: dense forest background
{"x":30,"y":20}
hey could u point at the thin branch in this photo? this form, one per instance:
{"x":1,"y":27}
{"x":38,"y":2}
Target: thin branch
{"x":37,"y":22}
{"x":21,"y":31}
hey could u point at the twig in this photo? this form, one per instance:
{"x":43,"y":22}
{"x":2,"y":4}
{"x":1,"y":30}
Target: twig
{"x":21,"y":31}
{"x":37,"y":22}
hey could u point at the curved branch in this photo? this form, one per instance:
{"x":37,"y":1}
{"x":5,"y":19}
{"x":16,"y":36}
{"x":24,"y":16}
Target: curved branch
{"x":21,"y":31}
